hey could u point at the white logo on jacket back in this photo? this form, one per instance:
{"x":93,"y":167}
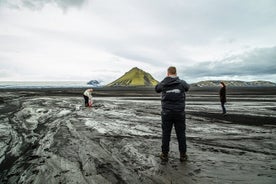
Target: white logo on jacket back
{"x":174,"y":91}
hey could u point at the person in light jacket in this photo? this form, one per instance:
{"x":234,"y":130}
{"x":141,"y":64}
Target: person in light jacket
{"x":173,"y":112}
{"x":87,"y":95}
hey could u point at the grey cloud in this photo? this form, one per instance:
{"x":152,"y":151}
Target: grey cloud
{"x":138,"y":57}
{"x":38,"y":4}
{"x":205,"y":20}
{"x":4,"y":74}
{"x":261,"y":61}
{"x":156,"y":33}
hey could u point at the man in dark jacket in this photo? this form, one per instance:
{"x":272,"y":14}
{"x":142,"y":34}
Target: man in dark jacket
{"x":173,"y":112}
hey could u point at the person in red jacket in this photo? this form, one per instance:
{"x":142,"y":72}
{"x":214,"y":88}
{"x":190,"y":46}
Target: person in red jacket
{"x":222,"y":95}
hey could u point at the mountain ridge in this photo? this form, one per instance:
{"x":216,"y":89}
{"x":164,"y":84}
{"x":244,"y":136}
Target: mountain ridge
{"x":134,"y":77}
{"x":94,"y":83}
{"x":234,"y":83}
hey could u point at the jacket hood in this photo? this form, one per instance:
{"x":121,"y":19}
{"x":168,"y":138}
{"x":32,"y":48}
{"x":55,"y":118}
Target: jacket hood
{"x":168,"y":81}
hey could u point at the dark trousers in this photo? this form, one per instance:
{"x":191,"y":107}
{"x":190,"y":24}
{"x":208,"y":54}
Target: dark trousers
{"x":178,"y":120}
{"x":85,"y":100}
{"x":223,"y":107}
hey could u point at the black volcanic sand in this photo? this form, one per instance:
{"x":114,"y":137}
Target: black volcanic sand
{"x":47,"y":136}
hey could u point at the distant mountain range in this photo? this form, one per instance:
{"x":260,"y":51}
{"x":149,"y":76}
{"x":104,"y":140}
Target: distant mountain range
{"x":94,"y":83}
{"x":138,"y":77}
{"x":233,"y":83}
{"x":134,"y":77}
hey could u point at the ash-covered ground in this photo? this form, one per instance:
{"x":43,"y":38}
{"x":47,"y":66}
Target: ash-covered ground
{"x":55,"y":139}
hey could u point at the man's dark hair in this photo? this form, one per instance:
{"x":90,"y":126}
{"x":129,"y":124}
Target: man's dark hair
{"x":172,"y":70}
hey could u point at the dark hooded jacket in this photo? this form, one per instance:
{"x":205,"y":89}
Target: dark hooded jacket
{"x":173,"y":94}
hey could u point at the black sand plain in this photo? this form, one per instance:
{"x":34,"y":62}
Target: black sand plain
{"x":48,"y":136}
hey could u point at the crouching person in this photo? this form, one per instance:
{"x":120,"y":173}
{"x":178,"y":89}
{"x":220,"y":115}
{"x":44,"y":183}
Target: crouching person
{"x":87,"y":95}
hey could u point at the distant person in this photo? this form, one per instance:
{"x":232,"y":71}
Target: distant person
{"x":88,"y":97}
{"x":222,"y":95}
{"x":173,"y":112}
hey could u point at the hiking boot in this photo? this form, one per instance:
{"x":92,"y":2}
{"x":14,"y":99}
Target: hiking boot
{"x":183,"y":157}
{"x":164,"y":157}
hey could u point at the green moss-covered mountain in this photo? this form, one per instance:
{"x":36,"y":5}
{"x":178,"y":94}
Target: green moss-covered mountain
{"x":135,"y":77}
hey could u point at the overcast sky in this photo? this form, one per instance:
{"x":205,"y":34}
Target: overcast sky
{"x":102,"y":39}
